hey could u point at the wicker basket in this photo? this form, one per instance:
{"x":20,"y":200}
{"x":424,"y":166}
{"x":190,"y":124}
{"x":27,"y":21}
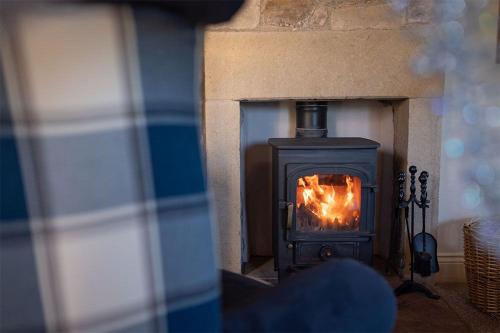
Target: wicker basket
{"x":482,"y":264}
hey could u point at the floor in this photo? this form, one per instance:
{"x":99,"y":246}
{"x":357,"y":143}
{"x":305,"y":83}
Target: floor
{"x":417,"y":313}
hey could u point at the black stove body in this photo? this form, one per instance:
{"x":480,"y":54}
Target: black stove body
{"x":323,"y":194}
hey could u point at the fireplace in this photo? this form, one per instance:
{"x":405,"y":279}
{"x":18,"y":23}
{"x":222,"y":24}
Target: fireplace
{"x":323,"y":194}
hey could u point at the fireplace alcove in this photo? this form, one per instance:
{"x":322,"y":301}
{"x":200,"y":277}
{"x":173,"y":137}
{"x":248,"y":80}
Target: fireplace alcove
{"x":416,"y":140}
{"x":348,"y":118}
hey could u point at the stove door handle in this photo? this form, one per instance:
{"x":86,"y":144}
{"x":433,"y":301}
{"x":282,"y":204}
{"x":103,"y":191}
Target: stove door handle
{"x":289,"y":218}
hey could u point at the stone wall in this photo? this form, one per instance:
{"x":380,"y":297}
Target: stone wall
{"x":307,"y":15}
{"x":301,"y":49}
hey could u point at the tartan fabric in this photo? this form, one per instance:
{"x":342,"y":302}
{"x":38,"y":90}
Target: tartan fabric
{"x":104,"y":214}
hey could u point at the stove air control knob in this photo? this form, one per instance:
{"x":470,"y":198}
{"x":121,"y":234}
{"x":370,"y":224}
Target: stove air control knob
{"x":326,"y":252}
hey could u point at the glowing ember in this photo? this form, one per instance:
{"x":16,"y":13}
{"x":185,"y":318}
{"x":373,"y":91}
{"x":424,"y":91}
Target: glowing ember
{"x":328,"y":202}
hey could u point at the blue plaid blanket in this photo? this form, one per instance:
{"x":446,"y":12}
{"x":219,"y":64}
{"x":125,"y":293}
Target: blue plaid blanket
{"x":104,"y":214}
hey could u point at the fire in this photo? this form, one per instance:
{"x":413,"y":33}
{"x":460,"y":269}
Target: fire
{"x":328,"y":202}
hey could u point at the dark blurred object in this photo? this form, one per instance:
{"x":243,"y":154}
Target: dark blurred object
{"x":336,"y":296}
{"x":194,"y":11}
{"x":203,"y":12}
{"x":239,"y":290}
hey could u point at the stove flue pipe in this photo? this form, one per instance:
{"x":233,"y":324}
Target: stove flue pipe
{"x":311,"y":119}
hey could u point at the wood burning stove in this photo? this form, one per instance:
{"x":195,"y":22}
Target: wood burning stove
{"x":323,"y":194}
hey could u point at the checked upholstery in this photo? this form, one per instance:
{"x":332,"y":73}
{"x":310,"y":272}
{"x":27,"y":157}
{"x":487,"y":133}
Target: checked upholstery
{"x":104,"y":216}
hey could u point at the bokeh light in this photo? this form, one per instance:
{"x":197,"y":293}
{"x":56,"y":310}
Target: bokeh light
{"x":422,"y":65}
{"x":484,"y":173}
{"x":471,"y":196}
{"x":437,"y":106}
{"x":399,"y":5}
{"x":446,"y":10}
{"x":492,"y":116}
{"x":454,"y":148}
{"x":460,"y":41}
{"x":451,"y":34}
{"x":470,"y":113}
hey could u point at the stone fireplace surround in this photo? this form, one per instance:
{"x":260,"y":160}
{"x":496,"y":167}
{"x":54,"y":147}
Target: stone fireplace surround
{"x":247,"y":65}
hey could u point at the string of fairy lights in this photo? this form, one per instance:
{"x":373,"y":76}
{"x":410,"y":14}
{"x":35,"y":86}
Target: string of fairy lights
{"x":460,"y":39}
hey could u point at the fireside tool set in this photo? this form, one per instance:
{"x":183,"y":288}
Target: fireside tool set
{"x":423,"y":246}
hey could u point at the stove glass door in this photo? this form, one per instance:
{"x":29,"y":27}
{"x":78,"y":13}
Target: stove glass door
{"x":328,"y":202}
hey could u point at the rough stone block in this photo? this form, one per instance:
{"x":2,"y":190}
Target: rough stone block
{"x":358,"y":3}
{"x":295,"y":14}
{"x":424,"y":150}
{"x":368,"y":17}
{"x":313,"y":64}
{"x":222,"y":135}
{"x":318,"y":18}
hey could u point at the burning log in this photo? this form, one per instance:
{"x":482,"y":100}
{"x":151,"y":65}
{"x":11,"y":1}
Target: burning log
{"x":307,"y":221}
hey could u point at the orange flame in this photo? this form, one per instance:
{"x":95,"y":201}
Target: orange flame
{"x":335,"y":204}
